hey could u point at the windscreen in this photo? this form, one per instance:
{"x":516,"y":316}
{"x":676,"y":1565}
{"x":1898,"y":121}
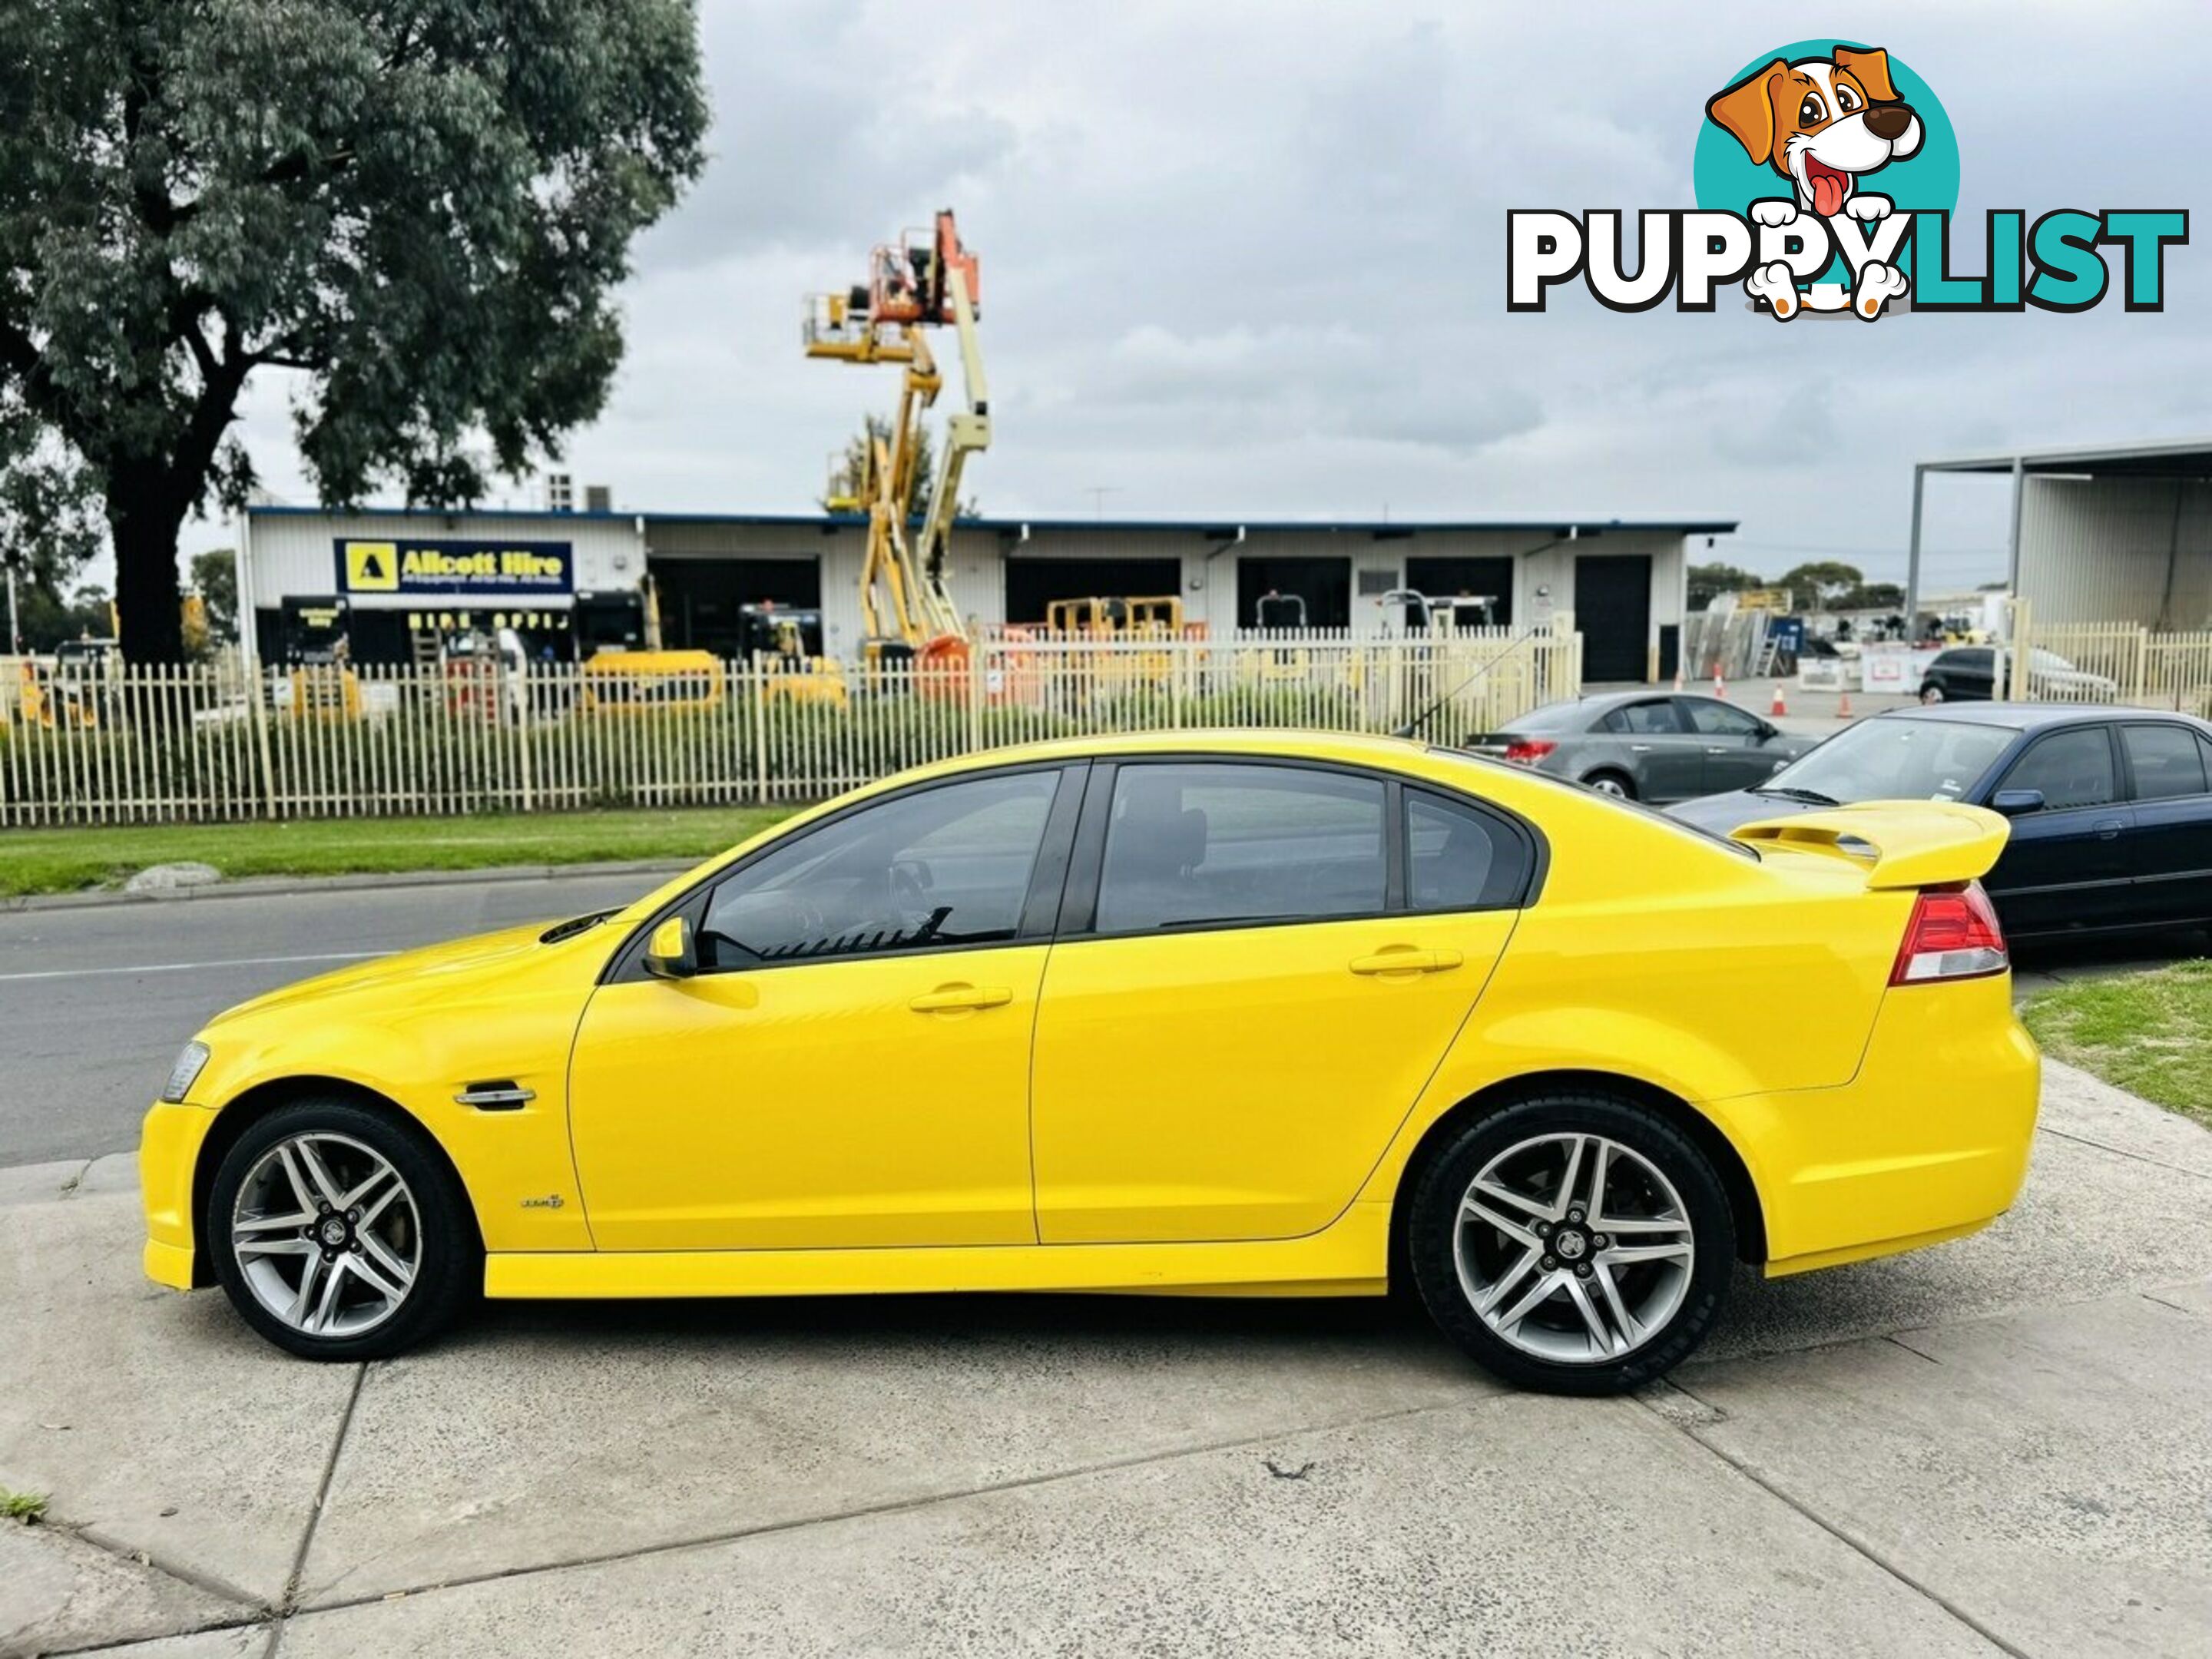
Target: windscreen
{"x":1895,"y":760}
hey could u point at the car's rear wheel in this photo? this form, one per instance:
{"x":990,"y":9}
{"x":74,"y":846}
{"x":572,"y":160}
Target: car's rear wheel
{"x":1576,"y":1243}
{"x":339,"y":1233}
{"x":1931,"y":694}
{"x":1616,"y":784}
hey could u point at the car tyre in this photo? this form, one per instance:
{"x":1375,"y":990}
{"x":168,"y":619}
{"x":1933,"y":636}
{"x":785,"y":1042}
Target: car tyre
{"x":1606,"y":781}
{"x":1931,"y":694}
{"x":317,"y":1277}
{"x":1659,"y":1191}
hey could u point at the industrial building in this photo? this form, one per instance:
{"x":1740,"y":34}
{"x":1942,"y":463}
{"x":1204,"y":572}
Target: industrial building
{"x":403,"y":573}
{"x":2119,"y":533}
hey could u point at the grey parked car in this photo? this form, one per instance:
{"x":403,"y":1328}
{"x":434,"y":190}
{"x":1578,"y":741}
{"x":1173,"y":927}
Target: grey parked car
{"x":1647,"y":745}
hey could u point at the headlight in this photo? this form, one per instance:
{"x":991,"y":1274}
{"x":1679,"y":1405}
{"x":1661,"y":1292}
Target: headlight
{"x":184,"y":1074}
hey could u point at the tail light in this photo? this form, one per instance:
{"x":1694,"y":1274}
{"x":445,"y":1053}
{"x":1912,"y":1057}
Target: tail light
{"x":1953,"y":934}
{"x":1528,"y":751}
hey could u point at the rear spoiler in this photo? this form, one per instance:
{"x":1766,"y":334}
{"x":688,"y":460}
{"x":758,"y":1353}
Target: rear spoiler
{"x":1899,"y":843}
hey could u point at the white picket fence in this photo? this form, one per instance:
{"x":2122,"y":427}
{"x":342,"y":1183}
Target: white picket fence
{"x":2146,"y":669}
{"x":210,"y":742}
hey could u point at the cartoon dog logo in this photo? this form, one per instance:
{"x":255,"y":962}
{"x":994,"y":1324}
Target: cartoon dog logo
{"x":1824,"y":124}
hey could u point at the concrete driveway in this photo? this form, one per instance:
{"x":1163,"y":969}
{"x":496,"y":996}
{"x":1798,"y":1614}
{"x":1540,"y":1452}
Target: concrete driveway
{"x":2003,"y":1445}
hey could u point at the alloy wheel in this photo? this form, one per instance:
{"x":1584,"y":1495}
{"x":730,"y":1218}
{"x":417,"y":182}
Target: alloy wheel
{"x":1607,"y":784}
{"x":1573,"y":1247}
{"x":326,"y":1235}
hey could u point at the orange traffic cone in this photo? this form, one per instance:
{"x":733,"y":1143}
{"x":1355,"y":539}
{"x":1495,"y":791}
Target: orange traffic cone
{"x":1720,"y":682}
{"x":1780,"y":707}
{"x":1844,"y":707}
{"x":1679,"y":687}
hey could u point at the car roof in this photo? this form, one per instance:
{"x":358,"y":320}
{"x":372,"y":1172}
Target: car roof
{"x":2033,"y":716}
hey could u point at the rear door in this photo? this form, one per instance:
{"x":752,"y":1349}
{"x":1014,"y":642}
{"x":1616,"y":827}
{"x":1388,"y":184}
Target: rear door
{"x":1260,"y":963}
{"x":2069,"y":865}
{"x":1664,"y":757}
{"x":2170,"y":846}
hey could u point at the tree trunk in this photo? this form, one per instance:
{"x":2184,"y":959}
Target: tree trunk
{"x":145,"y":524}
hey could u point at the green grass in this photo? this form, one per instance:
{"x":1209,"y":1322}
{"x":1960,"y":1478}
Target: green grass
{"x":67,"y":860}
{"x":29,"y":1508}
{"x":2150,"y":1033}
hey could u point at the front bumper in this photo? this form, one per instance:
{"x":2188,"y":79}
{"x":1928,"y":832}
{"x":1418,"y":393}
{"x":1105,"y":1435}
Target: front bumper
{"x":168,"y":1150}
{"x":1927,"y":1142}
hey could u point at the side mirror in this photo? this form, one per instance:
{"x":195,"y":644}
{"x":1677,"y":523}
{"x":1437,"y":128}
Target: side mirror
{"x":2016,"y":803}
{"x":669,"y":954}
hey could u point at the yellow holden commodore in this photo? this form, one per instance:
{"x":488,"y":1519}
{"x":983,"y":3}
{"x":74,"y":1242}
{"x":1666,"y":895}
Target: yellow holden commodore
{"x":1252,"y":1013}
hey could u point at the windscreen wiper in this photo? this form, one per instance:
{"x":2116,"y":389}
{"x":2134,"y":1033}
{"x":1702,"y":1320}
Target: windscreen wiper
{"x":1810,"y":797}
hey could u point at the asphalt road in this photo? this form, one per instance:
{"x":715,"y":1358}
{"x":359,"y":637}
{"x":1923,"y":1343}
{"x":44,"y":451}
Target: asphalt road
{"x":95,"y":1002}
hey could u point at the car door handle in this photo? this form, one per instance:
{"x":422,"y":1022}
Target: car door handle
{"x":1717,"y":749}
{"x":953,"y":998}
{"x":1639,"y":748}
{"x":1406,"y":961}
{"x":2106,"y":829}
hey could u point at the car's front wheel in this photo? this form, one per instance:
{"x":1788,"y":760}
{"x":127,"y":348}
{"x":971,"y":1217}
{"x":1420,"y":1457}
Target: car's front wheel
{"x":339,"y":1233}
{"x":1931,"y":694}
{"x":1576,"y":1243}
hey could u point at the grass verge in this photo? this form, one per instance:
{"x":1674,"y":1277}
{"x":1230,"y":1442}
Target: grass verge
{"x":69,"y":860}
{"x":2150,"y":1033}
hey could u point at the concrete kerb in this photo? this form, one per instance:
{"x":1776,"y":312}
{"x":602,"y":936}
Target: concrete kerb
{"x":278,"y":886}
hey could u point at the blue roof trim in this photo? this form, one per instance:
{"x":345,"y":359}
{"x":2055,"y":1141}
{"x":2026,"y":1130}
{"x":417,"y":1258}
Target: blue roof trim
{"x":1224,"y":527}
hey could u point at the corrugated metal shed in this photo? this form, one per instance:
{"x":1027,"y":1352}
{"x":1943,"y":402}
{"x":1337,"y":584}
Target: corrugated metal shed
{"x":2112,"y":534}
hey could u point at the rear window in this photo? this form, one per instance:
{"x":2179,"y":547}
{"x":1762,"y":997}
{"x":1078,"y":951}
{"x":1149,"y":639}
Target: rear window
{"x":1543,"y":779}
{"x":1553,"y":717}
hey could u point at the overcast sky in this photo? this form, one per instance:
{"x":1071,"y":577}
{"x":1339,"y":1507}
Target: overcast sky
{"x":1245,"y":259}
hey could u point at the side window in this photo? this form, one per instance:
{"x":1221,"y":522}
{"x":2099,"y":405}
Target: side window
{"x":1460,"y":859}
{"x":1657,"y":714}
{"x":1210,"y":844}
{"x":2167,"y":760}
{"x":941,"y":866}
{"x":2072,"y":769}
{"x":1717,"y":720}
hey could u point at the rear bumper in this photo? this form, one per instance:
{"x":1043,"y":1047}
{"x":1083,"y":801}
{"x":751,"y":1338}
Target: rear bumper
{"x":1929,"y":1141}
{"x":168,"y":1148}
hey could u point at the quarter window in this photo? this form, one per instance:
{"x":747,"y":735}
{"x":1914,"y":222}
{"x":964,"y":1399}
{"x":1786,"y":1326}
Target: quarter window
{"x":2072,"y":769}
{"x":2166,"y":761}
{"x":1459,"y":858}
{"x":1195,"y":845}
{"x":939,"y":867}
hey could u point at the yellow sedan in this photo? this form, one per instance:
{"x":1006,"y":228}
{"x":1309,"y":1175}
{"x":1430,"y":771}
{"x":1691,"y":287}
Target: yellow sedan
{"x":1255,"y":1013}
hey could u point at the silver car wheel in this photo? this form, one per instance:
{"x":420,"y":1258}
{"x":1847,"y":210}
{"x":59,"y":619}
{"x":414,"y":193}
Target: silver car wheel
{"x":1574,"y":1248}
{"x":326,"y":1235}
{"x":1606,"y":784}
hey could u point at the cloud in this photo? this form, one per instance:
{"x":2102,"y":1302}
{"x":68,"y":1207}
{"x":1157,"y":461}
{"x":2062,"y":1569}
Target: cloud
{"x":1249,"y":257}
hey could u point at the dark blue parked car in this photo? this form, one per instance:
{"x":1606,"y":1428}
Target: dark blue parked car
{"x":2111,"y":808}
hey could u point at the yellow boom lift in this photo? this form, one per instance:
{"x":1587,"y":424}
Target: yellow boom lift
{"x":926,"y":280}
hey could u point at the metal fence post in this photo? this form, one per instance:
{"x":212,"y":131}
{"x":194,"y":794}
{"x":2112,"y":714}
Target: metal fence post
{"x":260,"y":714}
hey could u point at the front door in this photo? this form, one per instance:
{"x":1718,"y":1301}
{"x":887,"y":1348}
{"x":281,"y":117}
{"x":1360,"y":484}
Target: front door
{"x":1733,"y":745}
{"x":1250,"y":990}
{"x":850,"y":1067}
{"x":2168,"y":766}
{"x":2067,"y":866}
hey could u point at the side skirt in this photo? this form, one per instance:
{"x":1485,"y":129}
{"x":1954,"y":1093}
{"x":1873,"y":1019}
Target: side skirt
{"x":1349,"y":1257}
